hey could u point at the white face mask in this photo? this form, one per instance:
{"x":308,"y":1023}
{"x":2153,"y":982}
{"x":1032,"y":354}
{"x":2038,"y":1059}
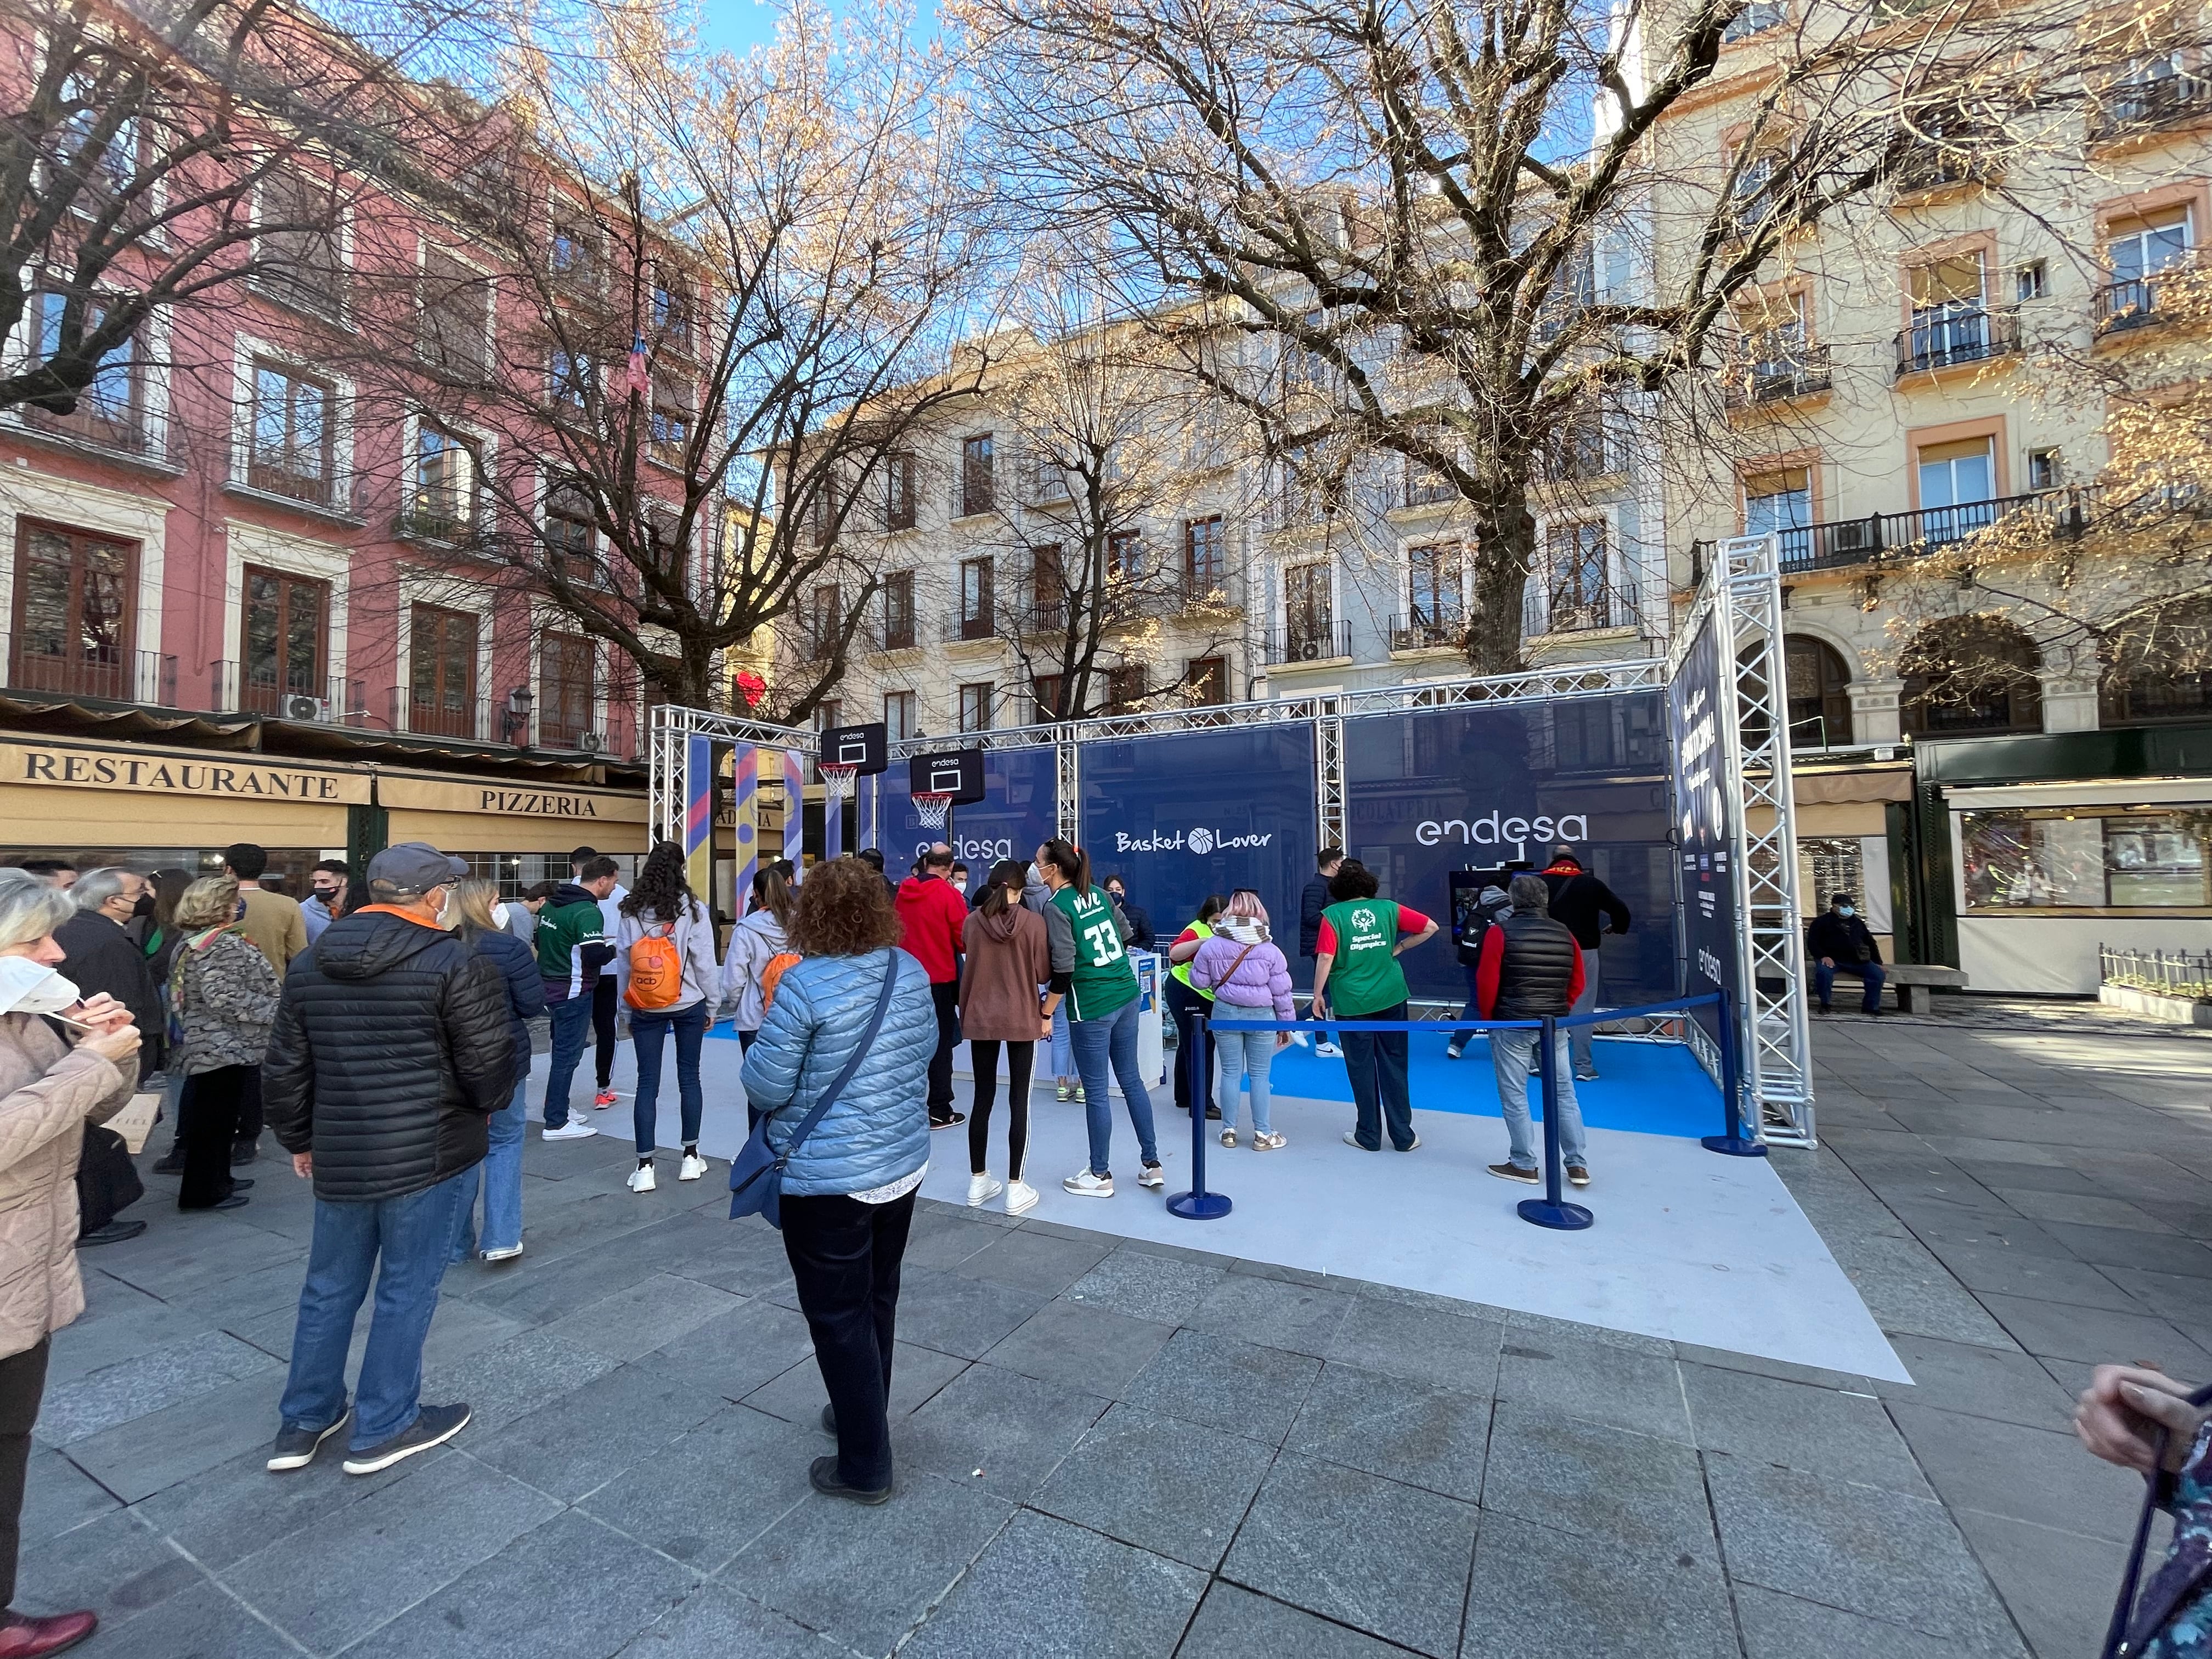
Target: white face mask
{"x":500,"y":913}
{"x":29,"y":988}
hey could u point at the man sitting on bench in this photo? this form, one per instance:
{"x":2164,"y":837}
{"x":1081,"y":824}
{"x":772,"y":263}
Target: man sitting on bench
{"x":1839,"y":942}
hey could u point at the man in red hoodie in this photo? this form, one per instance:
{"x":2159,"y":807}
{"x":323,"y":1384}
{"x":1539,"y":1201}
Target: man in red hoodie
{"x":933,"y":914}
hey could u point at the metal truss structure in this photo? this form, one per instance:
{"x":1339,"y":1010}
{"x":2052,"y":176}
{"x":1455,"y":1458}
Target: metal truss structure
{"x":673,"y":726}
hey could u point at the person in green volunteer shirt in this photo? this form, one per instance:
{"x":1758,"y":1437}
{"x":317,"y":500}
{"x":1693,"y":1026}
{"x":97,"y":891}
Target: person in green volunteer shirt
{"x":1187,"y":1001}
{"x":1091,"y":970}
{"x":1356,"y":976}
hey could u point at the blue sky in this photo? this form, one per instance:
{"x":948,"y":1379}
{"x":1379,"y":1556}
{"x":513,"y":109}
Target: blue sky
{"x":735,"y":25}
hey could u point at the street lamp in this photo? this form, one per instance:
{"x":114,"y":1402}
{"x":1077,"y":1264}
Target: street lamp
{"x":516,"y":718}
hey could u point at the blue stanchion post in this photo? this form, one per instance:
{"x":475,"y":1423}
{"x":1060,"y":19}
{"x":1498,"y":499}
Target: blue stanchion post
{"x":1551,"y":1210}
{"x":1197,"y":1204}
{"x":1734,"y":1143}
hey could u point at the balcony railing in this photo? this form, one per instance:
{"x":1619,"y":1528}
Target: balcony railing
{"x":2145,"y":106}
{"x":983,"y":625}
{"x":1959,"y":153}
{"x":1570,"y":610}
{"x":135,"y":432}
{"x":2157,"y":298}
{"x":1047,"y":616}
{"x":445,"y":527}
{"x":332,"y":700}
{"x":41,"y":663}
{"x":1942,"y":336}
{"x":324,"y":490}
{"x":1844,"y":542}
{"x":897,"y":637}
{"x":1310,"y":642}
{"x":1427,"y":630}
{"x":1800,"y":372}
{"x":431,"y":714}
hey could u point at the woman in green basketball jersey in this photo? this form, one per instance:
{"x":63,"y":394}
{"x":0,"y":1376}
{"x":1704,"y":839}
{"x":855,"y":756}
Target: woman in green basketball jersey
{"x":1091,"y":971}
{"x":1356,"y":976}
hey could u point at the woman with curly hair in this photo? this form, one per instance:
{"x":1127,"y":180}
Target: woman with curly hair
{"x":662,"y":908}
{"x":847,"y":1191}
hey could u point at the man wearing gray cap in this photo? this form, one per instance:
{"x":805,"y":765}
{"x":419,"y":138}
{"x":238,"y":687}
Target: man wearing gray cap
{"x":391,"y":1051}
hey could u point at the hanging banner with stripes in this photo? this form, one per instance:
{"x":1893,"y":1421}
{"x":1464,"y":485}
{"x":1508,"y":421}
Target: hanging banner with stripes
{"x":744,"y":798}
{"x":795,"y":808}
{"x":699,"y":813}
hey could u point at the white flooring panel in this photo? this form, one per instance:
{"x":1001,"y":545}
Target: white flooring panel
{"x":1688,"y":1245}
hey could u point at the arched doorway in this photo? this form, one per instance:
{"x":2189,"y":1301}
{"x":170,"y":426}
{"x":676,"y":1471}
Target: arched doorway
{"x":2161,"y":669}
{"x":1820,"y":693}
{"x":1970,"y":674}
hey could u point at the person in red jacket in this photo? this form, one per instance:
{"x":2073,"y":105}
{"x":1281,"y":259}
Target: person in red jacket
{"x":933,"y":914}
{"x":1530,"y":966}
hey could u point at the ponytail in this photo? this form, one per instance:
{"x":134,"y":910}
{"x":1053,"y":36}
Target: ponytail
{"x":1072,"y":862}
{"x":1004,"y":873}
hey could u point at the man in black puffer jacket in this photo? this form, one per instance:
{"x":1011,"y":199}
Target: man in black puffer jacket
{"x":392,"y":1050}
{"x":1529,"y":967}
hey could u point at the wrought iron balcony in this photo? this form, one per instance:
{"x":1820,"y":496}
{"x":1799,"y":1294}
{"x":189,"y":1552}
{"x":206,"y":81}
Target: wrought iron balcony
{"x":1797,"y":373}
{"x":1942,"y":336}
{"x":2146,"y":105}
{"x":1429,"y":629}
{"x":1568,"y":609}
{"x":445,"y":714}
{"x":52,"y":664}
{"x":982,"y":624}
{"x":443,"y":527}
{"x":276,"y":695}
{"x":135,"y":431}
{"x":2136,"y":302}
{"x":1842,"y":543}
{"x":1310,"y":642}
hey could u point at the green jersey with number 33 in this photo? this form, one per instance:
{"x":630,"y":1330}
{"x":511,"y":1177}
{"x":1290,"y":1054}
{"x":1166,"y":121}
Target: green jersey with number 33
{"x":1104,"y":980}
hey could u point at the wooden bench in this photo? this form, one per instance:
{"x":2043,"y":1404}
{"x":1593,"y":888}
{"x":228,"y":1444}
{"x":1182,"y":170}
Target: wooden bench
{"x":1913,"y":983}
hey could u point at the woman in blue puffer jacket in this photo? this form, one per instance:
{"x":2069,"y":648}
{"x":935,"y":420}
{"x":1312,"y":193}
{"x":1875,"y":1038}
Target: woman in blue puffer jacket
{"x":848,"y":1194}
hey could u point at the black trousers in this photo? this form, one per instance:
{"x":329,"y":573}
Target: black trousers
{"x":251,"y":1120}
{"x":845,"y":1259}
{"x":1185,"y":1005}
{"x":1020,"y":1057}
{"x":946,"y":997}
{"x":603,"y":1025}
{"x":22,"y":1382}
{"x":207,"y":1126}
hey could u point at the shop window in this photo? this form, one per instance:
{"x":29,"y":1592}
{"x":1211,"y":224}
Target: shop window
{"x":1820,"y":693}
{"x":2056,"y":859}
{"x":285,"y":649}
{"x":76,"y":595}
{"x":1828,"y":864}
{"x":1970,"y":674}
{"x":564,"y":690}
{"x":441,"y":671}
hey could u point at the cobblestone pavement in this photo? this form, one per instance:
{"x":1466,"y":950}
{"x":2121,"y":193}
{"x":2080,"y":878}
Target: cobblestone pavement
{"x":1108,"y":1448}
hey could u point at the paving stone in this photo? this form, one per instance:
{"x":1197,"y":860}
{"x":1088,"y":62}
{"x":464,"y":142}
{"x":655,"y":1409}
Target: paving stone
{"x":161,"y":1377}
{"x":1272,"y":1312}
{"x":1427,"y":1437}
{"x":1045,"y":1590}
{"x":197,"y":1253}
{"x":1538,"y":1591}
{"x":116,"y":1565}
{"x":58,"y":1496}
{"x":1887,"y":1555}
{"x":238,"y":1507}
{"x":1161,"y":1483}
{"x":1226,"y":1384}
{"x":863,"y":1577}
{"x":1997,"y":1383}
{"x":544,"y":1282}
{"x":938,"y":1239}
{"x":2088,"y":1209}
{"x":735,"y":1352}
{"x":2059,"y":1585}
{"x":1147,"y":1286}
{"x":682,"y":1504}
{"x":577,"y":1443}
{"x":513,"y":1378}
{"x":202,"y":1621}
{"x":143,"y":1325}
{"x":331,"y":1581}
{"x":1777,"y":1626}
{"x":1759,"y":1365}
{"x":1014,"y":1429}
{"x":957,"y":1314}
{"x":1907,"y":1289}
{"x":1030,"y":1260}
{"x":654,"y":1313}
{"x":716,"y":1622}
{"x":2040,"y":1475}
{"x":2099,"y":1335}
{"x":1084,"y":1347}
{"x":1939,"y":1230}
{"x":1232,"y":1623}
{"x":2177,"y":1297}
{"x":1821,"y":1431}
{"x":1540,"y":1326}
{"x":1595,"y":1380}
{"x":799,"y":1394}
{"x":1406,"y":1579}
{"x":1573,"y":1475}
{"x":1420,"y":1344}
{"x":570,"y":1614}
{"x":246,"y":1295}
{"x":139,"y":1458}
{"x":2045,"y":1278}
{"x":2122,"y":1247}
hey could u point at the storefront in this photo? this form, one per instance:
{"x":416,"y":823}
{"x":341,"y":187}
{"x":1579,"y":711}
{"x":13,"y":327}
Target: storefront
{"x":2032,"y":851}
{"x":516,"y":833}
{"x":1845,"y":833}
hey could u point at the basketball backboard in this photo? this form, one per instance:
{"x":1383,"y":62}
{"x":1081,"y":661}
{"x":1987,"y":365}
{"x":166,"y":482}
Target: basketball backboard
{"x":865,"y":748}
{"x":955,"y":772}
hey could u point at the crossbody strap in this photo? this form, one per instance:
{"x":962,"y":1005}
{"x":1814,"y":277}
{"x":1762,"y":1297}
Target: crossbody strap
{"x":829,"y":1096}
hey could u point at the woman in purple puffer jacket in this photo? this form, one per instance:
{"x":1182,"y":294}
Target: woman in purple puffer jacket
{"x":1249,"y":979}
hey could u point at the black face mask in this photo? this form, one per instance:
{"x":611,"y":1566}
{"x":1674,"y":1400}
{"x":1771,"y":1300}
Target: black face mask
{"x":144,"y":907}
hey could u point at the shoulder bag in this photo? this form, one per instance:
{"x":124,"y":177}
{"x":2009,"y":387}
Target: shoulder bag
{"x":757,"y":1173}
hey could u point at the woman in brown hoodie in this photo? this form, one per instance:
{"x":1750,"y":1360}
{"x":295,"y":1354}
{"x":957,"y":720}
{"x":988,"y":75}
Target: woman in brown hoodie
{"x":1009,"y":955}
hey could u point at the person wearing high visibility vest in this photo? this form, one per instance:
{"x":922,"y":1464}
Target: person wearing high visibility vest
{"x":1356,"y":976}
{"x":1091,"y":972}
{"x":1187,"y":1001}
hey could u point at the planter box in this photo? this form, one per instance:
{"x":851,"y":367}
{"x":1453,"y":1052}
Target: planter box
{"x":2175,"y":1011}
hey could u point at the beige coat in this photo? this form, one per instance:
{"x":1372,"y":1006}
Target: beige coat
{"x":48,"y":1091}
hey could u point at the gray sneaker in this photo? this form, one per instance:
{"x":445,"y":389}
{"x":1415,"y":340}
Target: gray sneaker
{"x":296,"y":1448}
{"x":434,"y":1425}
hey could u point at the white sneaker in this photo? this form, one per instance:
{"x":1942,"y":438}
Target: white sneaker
{"x":1151,"y":1175}
{"x":1020,"y":1197}
{"x":982,"y":1189}
{"x":574,"y":1129}
{"x":1084,"y":1184}
{"x":1328,"y":1050}
{"x":508,"y":1255}
{"x":692,"y":1168}
{"x":640,"y":1178}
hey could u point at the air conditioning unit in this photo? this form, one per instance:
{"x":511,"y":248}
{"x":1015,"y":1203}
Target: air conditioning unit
{"x":592,"y":742}
{"x":1310,"y":651}
{"x":306,"y":709}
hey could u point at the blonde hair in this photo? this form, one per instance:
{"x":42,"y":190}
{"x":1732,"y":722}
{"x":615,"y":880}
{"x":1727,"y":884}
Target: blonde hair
{"x":211,"y":901}
{"x":470,"y":904}
{"x":30,"y":908}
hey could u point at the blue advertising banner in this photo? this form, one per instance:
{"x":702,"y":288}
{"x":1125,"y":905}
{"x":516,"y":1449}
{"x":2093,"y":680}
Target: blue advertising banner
{"x":1705,"y":811}
{"x":1480,"y":786}
{"x":1190,"y":813}
{"x":1016,"y":816}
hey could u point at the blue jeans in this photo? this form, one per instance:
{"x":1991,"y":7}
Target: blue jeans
{"x":1870,"y":976}
{"x":502,"y":1178}
{"x":646,"y":1027}
{"x":1466,"y":1034}
{"x":1248,"y":1053}
{"x":412,"y":1236}
{"x":1111,"y":1040}
{"x":572,"y":1028}
{"x":1063,"y":1046}
{"x":1512,"y":1054}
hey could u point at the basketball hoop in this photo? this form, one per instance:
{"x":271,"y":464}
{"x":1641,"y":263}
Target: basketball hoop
{"x":931,"y":810}
{"x":837,"y":781}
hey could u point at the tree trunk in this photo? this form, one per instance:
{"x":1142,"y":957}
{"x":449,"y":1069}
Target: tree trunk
{"x":1505,"y":552}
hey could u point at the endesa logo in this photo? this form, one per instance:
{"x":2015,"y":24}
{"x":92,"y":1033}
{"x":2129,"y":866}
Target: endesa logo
{"x":1198,"y":841}
{"x":971,"y":847}
{"x":1494,"y":831}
